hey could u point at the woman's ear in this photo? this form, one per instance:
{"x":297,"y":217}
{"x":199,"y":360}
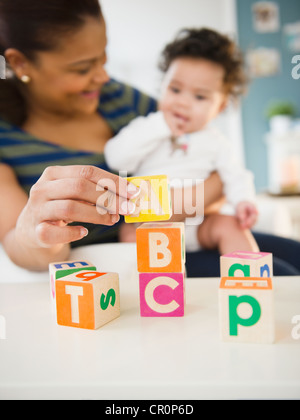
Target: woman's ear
{"x":17,"y":62}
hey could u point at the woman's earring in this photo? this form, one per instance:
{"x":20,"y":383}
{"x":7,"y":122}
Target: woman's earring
{"x":25,"y":79}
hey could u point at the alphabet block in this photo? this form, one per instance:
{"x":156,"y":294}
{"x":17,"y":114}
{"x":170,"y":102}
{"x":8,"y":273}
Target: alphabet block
{"x":63,"y":269}
{"x":154,"y":202}
{"x":249,"y":264}
{"x":87,"y":299}
{"x":160,"y":248}
{"x":162,"y":295}
{"x":247,"y":310}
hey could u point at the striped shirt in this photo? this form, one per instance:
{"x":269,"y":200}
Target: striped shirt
{"x":29,"y":156}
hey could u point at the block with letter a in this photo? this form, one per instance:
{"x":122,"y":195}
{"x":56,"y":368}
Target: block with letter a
{"x":247,"y":264}
{"x":87,"y":299}
{"x":246,"y":308}
{"x":161,"y":264}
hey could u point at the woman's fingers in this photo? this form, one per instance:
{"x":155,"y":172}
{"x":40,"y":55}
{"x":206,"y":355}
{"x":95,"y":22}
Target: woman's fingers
{"x":75,"y":211}
{"x":83,"y":190}
{"x":49,"y":234}
{"x":101,"y":178}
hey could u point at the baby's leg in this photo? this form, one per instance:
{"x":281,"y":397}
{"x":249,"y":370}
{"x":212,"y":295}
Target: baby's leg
{"x":127,"y":233}
{"x":224,"y":233}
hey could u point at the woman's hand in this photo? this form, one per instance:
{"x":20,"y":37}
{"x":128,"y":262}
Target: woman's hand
{"x":72,"y":194}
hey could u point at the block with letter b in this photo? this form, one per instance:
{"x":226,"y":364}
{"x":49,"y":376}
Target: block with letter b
{"x":65,"y":268}
{"x":246,"y":308}
{"x":154,"y":202}
{"x":87,"y":299}
{"x":160,"y":248}
{"x":247,"y":264}
{"x":162,"y":294}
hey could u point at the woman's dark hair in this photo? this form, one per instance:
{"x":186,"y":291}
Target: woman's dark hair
{"x":33,"y":26}
{"x":209,"y":45}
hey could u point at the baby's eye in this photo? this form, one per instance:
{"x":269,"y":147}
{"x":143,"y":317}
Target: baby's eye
{"x":174,"y":89}
{"x":200,"y":97}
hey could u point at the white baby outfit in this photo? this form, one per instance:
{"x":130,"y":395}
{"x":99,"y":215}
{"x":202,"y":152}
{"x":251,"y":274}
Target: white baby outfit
{"x":145,"y":148}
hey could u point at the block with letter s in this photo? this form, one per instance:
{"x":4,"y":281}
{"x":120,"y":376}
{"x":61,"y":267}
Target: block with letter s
{"x":87,"y":299}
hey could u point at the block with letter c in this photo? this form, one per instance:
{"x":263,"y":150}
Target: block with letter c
{"x":162,"y":294}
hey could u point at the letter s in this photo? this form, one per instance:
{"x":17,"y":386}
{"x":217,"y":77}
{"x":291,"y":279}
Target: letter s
{"x":296,"y":69}
{"x":110,"y":298}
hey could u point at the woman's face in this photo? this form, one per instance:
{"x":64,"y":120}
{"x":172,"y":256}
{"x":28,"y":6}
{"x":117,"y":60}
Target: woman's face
{"x":68,"y":80}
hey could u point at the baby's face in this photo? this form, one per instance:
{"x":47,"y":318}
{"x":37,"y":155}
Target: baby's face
{"x":192,"y":94}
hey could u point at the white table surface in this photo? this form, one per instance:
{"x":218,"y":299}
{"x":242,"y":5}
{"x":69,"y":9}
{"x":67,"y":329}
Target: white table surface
{"x":140,"y":358}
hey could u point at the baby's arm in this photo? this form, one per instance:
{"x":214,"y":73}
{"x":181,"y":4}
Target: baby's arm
{"x":127,"y":150}
{"x":239,"y":185}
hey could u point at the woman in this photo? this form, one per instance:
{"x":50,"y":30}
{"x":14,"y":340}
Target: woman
{"x":53,"y":114}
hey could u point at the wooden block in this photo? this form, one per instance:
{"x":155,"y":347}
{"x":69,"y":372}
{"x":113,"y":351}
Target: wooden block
{"x":154,"y":202}
{"x":160,"y":248}
{"x":162,"y":295}
{"x":248,"y":264}
{"x":87,"y":299}
{"x":63,"y":269}
{"x":246,"y":308}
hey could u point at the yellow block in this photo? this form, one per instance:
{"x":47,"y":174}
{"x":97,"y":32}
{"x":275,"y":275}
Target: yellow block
{"x":154,"y":202}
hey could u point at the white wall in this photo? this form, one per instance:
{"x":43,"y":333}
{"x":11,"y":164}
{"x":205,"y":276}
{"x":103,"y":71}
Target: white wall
{"x":138,"y":30}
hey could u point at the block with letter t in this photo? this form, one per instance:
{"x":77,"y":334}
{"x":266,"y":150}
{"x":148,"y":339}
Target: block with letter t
{"x":62,"y":269}
{"x":246,"y":309}
{"x":247,"y":264}
{"x":87,"y":299}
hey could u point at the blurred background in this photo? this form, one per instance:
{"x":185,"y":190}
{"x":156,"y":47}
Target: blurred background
{"x":265,"y":127}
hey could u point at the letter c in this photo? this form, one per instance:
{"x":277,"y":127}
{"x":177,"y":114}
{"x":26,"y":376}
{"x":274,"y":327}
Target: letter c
{"x":149,"y":295}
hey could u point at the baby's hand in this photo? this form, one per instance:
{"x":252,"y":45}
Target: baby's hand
{"x":247,"y":214}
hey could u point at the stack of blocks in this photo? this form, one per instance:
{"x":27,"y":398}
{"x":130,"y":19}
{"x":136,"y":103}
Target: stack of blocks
{"x":83,"y":297}
{"x":160,"y":251}
{"x":246,"y":298}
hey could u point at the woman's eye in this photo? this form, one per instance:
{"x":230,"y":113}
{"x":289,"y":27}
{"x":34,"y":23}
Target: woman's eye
{"x":83,"y":71}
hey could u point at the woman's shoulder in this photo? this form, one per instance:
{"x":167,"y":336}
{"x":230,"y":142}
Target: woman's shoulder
{"x":120,"y":103}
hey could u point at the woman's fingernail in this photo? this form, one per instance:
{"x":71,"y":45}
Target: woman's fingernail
{"x":84,"y":232}
{"x":133,"y":191}
{"x":128,"y":207}
{"x":115,"y":218}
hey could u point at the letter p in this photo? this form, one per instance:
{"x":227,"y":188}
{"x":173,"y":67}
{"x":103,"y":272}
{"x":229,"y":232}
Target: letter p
{"x":235,"y":319}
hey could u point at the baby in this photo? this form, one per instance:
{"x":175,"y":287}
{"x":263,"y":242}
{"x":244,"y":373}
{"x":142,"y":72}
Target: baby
{"x":203,"y":70}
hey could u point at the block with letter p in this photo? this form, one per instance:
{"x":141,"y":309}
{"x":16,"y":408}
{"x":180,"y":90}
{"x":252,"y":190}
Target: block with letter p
{"x":160,"y":248}
{"x":247,"y":264}
{"x":87,"y":299}
{"x":246,"y":308}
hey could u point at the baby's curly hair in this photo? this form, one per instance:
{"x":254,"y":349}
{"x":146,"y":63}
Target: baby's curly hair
{"x":209,"y":45}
